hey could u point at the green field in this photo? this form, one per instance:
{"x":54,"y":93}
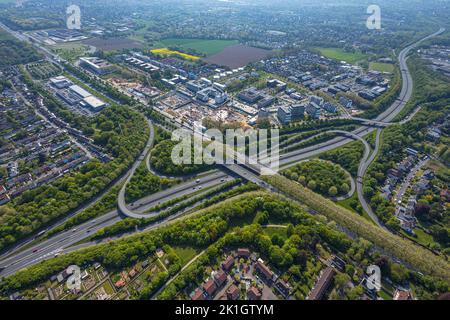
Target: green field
{"x":382,"y":67}
{"x":341,"y":55}
{"x":207,"y":47}
{"x":271,"y":231}
{"x":185,"y":253}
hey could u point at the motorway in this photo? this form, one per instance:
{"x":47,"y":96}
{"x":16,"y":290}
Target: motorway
{"x":61,"y":241}
{"x":58,"y":243}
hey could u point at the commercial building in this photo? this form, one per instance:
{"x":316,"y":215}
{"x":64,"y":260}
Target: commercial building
{"x":330,"y":107}
{"x":250,"y":95}
{"x":60,"y":82}
{"x":279,"y":85}
{"x":297,"y":111}
{"x":96,"y":65}
{"x":266,"y":102}
{"x":79,"y":91}
{"x":284,"y":114}
{"x":93,"y":103}
{"x":313,"y":110}
{"x":317,"y":100}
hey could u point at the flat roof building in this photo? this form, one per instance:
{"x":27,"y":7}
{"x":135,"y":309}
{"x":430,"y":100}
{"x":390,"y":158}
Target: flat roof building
{"x":96,"y":65}
{"x":79,"y":91}
{"x":94,"y":103}
{"x":284,"y":114}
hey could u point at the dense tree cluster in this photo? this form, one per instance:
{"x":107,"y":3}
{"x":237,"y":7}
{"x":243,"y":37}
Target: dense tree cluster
{"x":162,"y":162}
{"x":321,"y":176}
{"x":13,"y":52}
{"x":348,"y":156}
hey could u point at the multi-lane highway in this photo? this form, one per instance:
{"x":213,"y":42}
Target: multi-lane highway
{"x":61,"y":242}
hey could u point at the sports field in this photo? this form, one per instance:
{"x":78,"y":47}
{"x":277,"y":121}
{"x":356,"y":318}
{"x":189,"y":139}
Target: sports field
{"x":206,"y":47}
{"x":341,"y":55}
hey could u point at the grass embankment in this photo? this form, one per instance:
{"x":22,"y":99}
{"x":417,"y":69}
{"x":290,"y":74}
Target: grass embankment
{"x":420,"y":258}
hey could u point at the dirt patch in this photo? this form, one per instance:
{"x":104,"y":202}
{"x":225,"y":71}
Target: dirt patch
{"x":238,"y":56}
{"x":113,"y":43}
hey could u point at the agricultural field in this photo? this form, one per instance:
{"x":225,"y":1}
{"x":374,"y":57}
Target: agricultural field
{"x":382,"y":67}
{"x":341,"y":55}
{"x":113,"y":43}
{"x":168,"y":52}
{"x":238,"y":56}
{"x":205,"y":47}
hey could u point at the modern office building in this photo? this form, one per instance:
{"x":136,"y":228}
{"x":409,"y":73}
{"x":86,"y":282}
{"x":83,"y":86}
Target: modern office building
{"x":330,"y":107}
{"x":60,"y":82}
{"x":317,"y":100}
{"x":284,"y":114}
{"x":96,"y":65}
{"x":297,"y":111}
{"x":313,"y":110}
{"x":250,"y":95}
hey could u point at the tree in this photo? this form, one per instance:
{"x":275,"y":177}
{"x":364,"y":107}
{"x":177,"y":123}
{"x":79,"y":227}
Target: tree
{"x":302,"y":180}
{"x":277,"y":240}
{"x":312,"y":184}
{"x":422,"y":211}
{"x":333,"y":191}
{"x":345,"y":188}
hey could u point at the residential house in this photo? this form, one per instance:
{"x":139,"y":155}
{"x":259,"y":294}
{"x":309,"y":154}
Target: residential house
{"x":220,"y":278}
{"x":243,"y":253}
{"x":233,"y":292}
{"x":400,"y":294}
{"x":266,"y":273}
{"x":322,"y":284}
{"x":283,"y":287}
{"x":198,"y":295}
{"x":254,"y":294}
{"x":228,"y":263}
{"x":210,"y":287}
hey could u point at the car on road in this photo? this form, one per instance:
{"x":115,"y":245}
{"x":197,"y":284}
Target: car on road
{"x":197,"y":181}
{"x":35,"y":250}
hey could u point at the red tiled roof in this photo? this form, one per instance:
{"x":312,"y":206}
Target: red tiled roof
{"x":243,"y":252}
{"x":253,"y":294}
{"x":210,"y":286}
{"x":233,"y":292}
{"x":198,"y":295}
{"x":228,"y":263}
{"x":261,"y":267}
{"x":220,"y":278}
{"x":322,"y":284}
